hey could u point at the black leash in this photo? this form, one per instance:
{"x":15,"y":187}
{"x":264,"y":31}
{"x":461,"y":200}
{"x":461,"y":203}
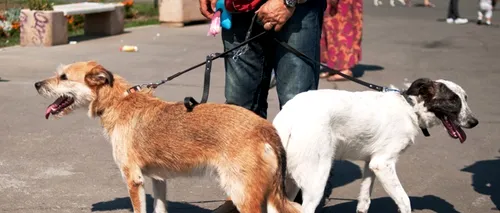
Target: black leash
{"x":305,"y":57}
{"x":190,"y":102}
{"x":364,"y":83}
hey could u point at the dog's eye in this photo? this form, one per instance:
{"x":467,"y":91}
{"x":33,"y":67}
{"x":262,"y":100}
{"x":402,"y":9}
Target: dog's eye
{"x":63,"y":77}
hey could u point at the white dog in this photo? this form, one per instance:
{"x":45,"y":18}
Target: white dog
{"x":379,"y":2}
{"x":319,"y":126}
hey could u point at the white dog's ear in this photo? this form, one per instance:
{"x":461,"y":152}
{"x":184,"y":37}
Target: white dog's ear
{"x":98,"y":76}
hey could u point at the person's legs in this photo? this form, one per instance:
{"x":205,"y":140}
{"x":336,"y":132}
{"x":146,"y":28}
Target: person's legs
{"x":247,"y":76}
{"x":453,"y":9}
{"x":293,"y":74}
{"x":488,"y":12}
{"x":479,"y":16}
{"x":453,"y":15}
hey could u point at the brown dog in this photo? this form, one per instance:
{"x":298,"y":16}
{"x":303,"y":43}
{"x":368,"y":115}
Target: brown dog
{"x":162,"y":140}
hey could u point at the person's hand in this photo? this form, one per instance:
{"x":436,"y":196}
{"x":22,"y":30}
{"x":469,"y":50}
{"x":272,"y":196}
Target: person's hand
{"x":274,"y":14}
{"x":207,"y":8}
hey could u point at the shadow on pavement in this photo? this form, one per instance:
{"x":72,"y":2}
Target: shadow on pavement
{"x":486,"y":179}
{"x":345,"y":172}
{"x":386,"y":204}
{"x":3,"y":80}
{"x":124,"y":203}
{"x":360,"y":69}
{"x":342,"y":173}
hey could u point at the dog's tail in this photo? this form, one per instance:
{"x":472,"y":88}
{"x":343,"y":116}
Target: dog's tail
{"x":277,"y":199}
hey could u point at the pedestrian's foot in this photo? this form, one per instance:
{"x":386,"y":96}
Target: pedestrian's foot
{"x":461,"y":21}
{"x":339,"y":77}
{"x":324,"y":74}
{"x":479,"y":22}
{"x":429,"y":5}
{"x":488,"y":23}
{"x":227,"y":207}
{"x":449,"y":20}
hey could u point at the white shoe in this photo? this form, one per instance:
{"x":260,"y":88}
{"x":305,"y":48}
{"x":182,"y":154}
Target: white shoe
{"x":461,"y":21}
{"x":449,"y":21}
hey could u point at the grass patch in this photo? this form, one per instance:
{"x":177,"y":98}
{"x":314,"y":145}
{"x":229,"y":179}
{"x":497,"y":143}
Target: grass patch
{"x":11,"y":41}
{"x":146,"y":9}
{"x":143,"y":22}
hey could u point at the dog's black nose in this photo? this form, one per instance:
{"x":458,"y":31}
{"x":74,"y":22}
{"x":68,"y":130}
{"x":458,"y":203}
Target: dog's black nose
{"x":38,"y":85}
{"x":472,"y":122}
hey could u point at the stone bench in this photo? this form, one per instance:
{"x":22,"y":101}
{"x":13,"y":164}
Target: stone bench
{"x":48,"y":28}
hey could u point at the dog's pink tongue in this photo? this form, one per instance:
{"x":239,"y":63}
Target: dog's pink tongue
{"x":454,"y":130}
{"x":49,"y":110}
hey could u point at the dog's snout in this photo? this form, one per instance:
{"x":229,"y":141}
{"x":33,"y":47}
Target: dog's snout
{"x":38,"y":85}
{"x":471,"y":123}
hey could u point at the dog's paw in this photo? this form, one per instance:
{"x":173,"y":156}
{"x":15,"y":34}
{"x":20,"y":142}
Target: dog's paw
{"x":363,"y":205}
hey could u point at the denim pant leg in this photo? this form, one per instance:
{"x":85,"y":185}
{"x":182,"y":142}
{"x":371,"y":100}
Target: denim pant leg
{"x":247,"y":77}
{"x":303,"y":32}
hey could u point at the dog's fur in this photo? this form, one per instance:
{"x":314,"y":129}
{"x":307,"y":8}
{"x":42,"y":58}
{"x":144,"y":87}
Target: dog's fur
{"x":391,"y":2}
{"x":319,"y":126}
{"x":162,"y":140}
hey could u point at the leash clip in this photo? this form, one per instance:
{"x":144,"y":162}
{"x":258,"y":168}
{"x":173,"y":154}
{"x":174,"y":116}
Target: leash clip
{"x":387,"y":89}
{"x":133,"y":89}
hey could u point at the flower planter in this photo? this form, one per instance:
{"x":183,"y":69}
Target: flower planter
{"x":179,"y":12}
{"x":43,"y":28}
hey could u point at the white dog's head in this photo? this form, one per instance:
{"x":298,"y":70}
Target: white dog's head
{"x":446,"y":101}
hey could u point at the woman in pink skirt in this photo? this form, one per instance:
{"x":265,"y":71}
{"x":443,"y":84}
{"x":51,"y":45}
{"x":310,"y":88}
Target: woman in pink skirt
{"x":341,"y":36}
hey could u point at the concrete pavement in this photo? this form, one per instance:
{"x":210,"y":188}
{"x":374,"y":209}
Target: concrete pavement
{"x":66,"y":165}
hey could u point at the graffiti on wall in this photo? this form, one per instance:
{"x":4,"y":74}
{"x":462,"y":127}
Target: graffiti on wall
{"x":39,"y":27}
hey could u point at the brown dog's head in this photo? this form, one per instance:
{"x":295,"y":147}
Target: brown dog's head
{"x":446,"y":101}
{"x":75,"y":85}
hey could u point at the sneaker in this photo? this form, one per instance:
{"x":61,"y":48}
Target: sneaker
{"x":488,"y":23}
{"x":461,"y":21}
{"x":449,"y":20}
{"x":479,"y":22}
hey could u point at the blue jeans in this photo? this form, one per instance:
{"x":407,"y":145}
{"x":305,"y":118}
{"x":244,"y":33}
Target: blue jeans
{"x":248,"y":76}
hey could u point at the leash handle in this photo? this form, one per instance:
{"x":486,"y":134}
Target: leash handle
{"x":206,"y":83}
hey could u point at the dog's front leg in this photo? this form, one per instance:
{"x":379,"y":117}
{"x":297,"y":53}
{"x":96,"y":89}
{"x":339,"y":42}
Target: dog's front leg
{"x":160,"y":195}
{"x":366,"y":189}
{"x":135,"y":184}
{"x":385,"y":170}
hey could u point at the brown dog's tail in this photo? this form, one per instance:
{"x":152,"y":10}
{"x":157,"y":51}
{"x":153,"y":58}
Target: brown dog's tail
{"x":277,"y":199}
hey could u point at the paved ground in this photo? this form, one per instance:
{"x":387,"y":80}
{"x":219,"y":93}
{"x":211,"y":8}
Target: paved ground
{"x":66,"y":165}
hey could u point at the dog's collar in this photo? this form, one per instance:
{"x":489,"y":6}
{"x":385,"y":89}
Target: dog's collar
{"x":410,"y":102}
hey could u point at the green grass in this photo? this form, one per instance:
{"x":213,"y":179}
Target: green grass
{"x":143,"y":22}
{"x":146,"y":9}
{"x":7,"y":42}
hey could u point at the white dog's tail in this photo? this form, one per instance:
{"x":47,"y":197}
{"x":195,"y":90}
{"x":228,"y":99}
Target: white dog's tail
{"x":284,"y":128}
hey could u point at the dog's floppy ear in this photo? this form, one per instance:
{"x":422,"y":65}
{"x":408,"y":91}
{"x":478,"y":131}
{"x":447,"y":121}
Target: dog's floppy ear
{"x":423,"y":87}
{"x":98,"y":76}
